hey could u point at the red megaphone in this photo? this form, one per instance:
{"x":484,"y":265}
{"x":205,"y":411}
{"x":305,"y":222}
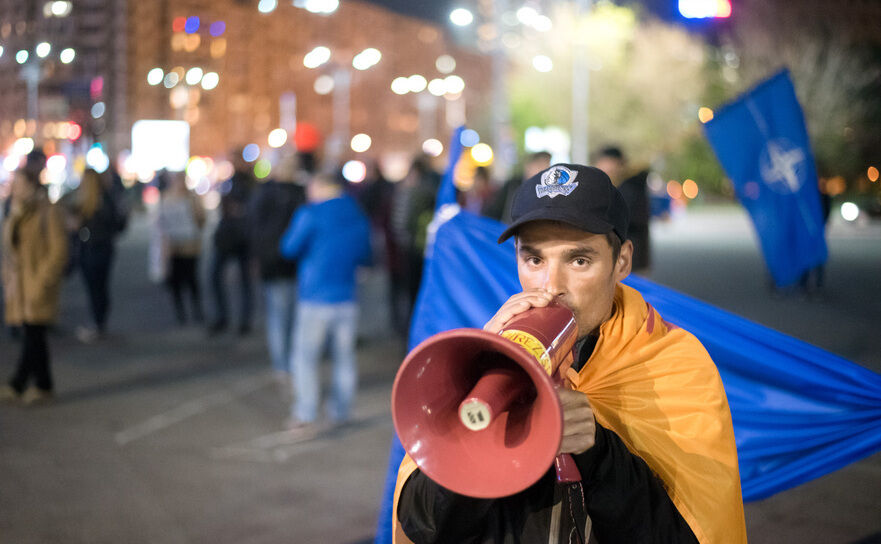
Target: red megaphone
{"x":478,"y":412}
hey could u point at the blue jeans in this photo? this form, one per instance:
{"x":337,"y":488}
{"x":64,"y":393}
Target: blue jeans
{"x":280,"y":297}
{"x":314,"y":326}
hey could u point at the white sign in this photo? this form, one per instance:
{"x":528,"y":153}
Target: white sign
{"x":158,"y":144}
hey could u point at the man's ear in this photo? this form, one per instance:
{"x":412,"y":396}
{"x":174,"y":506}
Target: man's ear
{"x":625,"y":261}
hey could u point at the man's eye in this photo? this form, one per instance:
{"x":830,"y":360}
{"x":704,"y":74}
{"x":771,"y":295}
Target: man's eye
{"x":581,"y":261}
{"x":534,"y":261}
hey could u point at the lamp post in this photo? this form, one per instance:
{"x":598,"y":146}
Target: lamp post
{"x":580,"y":93}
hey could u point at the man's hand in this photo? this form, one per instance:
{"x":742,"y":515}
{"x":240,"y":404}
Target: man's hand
{"x":579,"y":425}
{"x":515,"y":305}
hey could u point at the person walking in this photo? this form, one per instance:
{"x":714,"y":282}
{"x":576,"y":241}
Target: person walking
{"x":271,"y":209}
{"x":96,"y":221}
{"x":34,"y":255}
{"x":329,"y":238}
{"x":231,"y":244}
{"x":180,"y":221}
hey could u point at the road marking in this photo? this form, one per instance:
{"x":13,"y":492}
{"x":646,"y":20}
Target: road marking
{"x":279,"y":447}
{"x":192,"y":408}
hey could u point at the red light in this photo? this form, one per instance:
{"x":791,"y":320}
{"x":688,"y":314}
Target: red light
{"x":178,"y":24}
{"x":74,"y":131}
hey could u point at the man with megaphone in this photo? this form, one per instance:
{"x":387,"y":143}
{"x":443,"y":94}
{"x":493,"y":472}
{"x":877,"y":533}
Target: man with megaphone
{"x":635,"y":403}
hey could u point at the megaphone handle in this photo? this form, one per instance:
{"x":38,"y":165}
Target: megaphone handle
{"x":567,"y":470}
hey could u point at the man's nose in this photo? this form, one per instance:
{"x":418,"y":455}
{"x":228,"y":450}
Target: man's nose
{"x":554,"y":283}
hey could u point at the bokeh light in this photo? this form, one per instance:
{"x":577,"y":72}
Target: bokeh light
{"x":21,"y":56}
{"x":217,"y":28}
{"x":674,"y":189}
{"x":316,"y":57}
{"x":194,"y":75}
{"x":210,"y":80}
{"x":191,"y":25}
{"x":23,"y":146}
{"x":171,"y":79}
{"x":872,"y":174}
{"x":324,"y":84}
{"x":461,"y":17}
{"x":67,"y":55}
{"x":354,"y":171}
{"x":367,"y":58}
{"x":154,"y":76}
{"x":542,"y":63}
{"x":361,"y":143}
{"x":689,"y":188}
{"x":454,"y":84}
{"x":850,"y":211}
{"x":262,"y":168}
{"x":416,"y":83}
{"x":250,"y":152}
{"x":469,"y":138}
{"x":400,"y":85}
{"x":97,"y":159}
{"x":445,"y":64}
{"x":437,"y":87}
{"x":98,"y":109}
{"x":705,"y":114}
{"x":267,"y":6}
{"x":277,"y":137}
{"x":432,"y":147}
{"x":43,"y":49}
{"x":482,"y":154}
{"x":323,"y":7}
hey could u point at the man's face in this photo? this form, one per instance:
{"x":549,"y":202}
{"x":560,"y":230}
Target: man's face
{"x":575,"y":266}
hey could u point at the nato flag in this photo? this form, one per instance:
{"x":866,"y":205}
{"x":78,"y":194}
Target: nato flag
{"x":762,"y":143}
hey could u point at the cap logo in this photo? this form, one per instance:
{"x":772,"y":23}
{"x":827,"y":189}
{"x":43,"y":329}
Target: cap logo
{"x":559,"y":180}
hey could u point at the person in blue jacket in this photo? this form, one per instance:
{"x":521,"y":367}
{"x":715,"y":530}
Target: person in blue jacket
{"x":329,"y":238}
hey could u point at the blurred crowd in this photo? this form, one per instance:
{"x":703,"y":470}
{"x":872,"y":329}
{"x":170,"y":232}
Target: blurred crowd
{"x":295,"y":239}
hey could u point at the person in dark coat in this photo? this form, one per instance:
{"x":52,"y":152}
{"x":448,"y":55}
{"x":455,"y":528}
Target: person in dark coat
{"x":271,"y":208}
{"x":634,"y":189}
{"x":231,"y":243}
{"x":96,"y":220}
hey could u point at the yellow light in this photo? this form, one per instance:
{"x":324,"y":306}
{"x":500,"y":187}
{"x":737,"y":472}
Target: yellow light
{"x":689,"y":188}
{"x":482,"y":154}
{"x":218,"y":48}
{"x":191,"y":42}
{"x":705,"y":114}
{"x":872,"y":174}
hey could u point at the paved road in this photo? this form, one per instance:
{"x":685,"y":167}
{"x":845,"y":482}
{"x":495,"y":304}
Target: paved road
{"x":161,"y":435}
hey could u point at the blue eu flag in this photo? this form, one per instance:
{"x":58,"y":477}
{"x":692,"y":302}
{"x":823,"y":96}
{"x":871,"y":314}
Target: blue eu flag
{"x":762,"y":142}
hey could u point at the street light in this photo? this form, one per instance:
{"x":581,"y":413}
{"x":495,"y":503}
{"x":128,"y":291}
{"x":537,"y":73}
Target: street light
{"x":341,"y":89}
{"x":461,"y":17}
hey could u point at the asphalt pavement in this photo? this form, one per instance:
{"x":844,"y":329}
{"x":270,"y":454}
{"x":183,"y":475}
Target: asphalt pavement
{"x":159,"y":434}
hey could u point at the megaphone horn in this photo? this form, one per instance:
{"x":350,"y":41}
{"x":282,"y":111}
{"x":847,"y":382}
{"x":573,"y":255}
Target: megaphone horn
{"x":478,"y":412}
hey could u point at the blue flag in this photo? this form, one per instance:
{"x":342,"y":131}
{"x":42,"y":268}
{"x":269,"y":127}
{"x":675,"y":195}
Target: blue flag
{"x":762,"y":142}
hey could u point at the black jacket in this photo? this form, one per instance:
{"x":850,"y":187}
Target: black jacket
{"x":270,"y":211}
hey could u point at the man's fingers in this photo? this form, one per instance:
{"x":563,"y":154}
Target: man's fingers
{"x":516,"y":305}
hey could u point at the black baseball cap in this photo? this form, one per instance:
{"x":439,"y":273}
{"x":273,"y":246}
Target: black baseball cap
{"x":580,"y":196}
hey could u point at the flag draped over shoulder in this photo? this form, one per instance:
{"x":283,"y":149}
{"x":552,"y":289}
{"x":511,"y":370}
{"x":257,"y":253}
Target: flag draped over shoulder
{"x":762,"y":142}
